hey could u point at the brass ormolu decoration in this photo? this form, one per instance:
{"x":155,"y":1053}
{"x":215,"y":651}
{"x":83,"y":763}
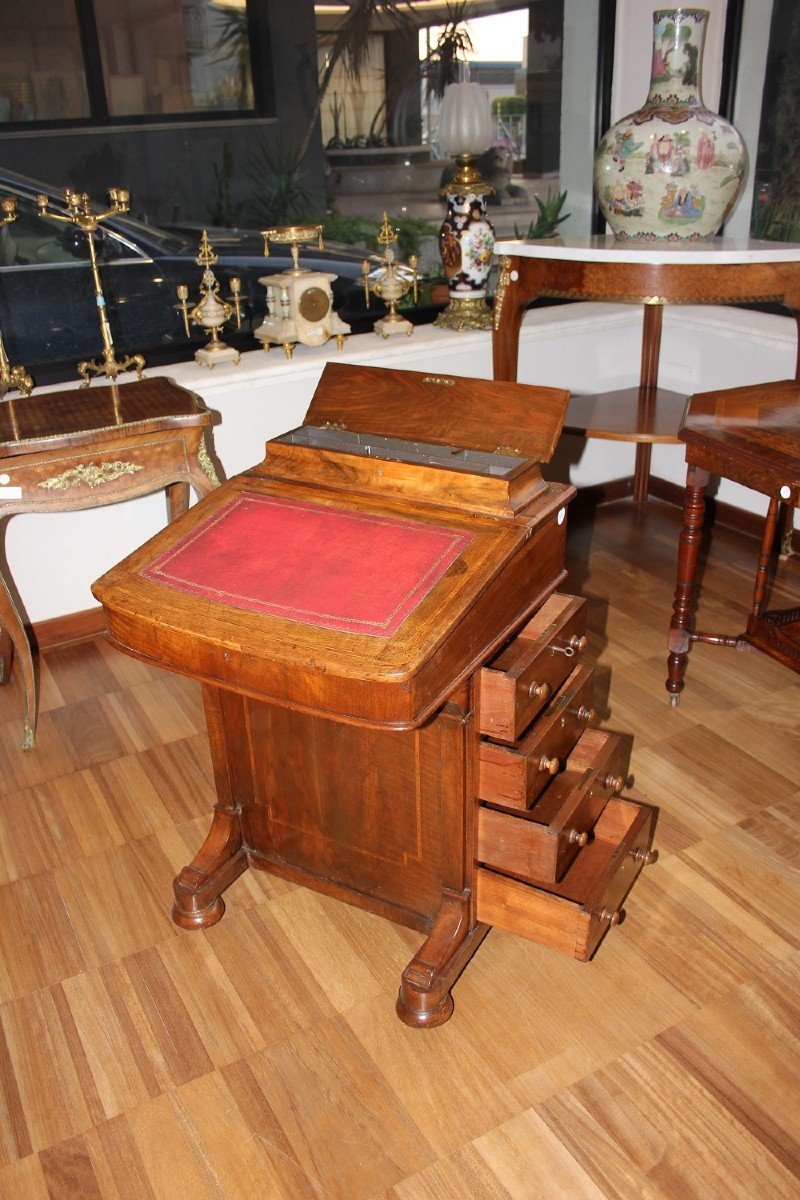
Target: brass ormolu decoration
{"x":11,"y":377}
{"x":89,"y":474}
{"x":211,"y":312}
{"x":392,"y":284}
{"x":299,"y":300}
{"x":204,"y":458}
{"x":503,"y":280}
{"x":80,"y":213}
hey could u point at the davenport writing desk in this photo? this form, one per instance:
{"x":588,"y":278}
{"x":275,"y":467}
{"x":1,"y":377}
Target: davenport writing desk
{"x":752,"y":436}
{"x":721,"y":271}
{"x":62,"y":451}
{"x":397,"y":707}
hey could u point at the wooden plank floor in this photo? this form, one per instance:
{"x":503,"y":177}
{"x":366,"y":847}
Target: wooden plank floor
{"x":667,"y":1068}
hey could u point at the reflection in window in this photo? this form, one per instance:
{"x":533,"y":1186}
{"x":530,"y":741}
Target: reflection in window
{"x":41,"y":66}
{"x":174,"y":56}
{"x":776,"y":202}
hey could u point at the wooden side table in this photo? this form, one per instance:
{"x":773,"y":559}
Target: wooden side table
{"x":61,"y":451}
{"x":752,"y":436}
{"x":725,"y":271}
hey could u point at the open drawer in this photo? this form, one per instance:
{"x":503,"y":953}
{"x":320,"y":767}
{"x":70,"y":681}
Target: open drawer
{"x":515,"y":775}
{"x":522,"y":678}
{"x":574,"y":915}
{"x":540,"y":843}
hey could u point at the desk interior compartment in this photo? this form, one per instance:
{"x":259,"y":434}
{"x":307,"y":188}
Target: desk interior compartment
{"x":522,"y":678}
{"x":574,"y":915}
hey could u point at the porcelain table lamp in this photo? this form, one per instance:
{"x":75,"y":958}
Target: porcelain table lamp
{"x":466,"y":239}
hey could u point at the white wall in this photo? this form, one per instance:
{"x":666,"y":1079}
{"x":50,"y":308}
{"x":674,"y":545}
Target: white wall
{"x":589,"y":347}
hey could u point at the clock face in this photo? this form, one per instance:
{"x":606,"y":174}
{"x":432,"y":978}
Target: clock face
{"x":314,"y":304}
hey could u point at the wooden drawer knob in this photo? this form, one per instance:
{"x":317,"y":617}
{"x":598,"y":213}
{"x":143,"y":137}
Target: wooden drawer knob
{"x":614,"y":783}
{"x":550,"y":765}
{"x":539,"y":691}
{"x":575,"y":645}
{"x":611,"y":915}
{"x":586,"y":715}
{"x":576,"y":836}
{"x":643,"y":856}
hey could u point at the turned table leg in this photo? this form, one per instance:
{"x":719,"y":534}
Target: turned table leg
{"x":765,"y":555}
{"x":684,"y":602}
{"x":648,"y":383}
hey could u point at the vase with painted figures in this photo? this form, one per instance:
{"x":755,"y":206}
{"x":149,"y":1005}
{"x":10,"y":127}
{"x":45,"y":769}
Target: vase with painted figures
{"x":672,"y":170}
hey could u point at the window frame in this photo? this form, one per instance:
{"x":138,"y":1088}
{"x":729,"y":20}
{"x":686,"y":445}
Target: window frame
{"x":262,"y":76}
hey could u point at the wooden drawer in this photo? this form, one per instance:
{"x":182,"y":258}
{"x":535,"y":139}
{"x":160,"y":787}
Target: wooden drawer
{"x":540,"y":844}
{"x":520,"y":680}
{"x":114,"y":472}
{"x":574,"y":915}
{"x":515,"y":775}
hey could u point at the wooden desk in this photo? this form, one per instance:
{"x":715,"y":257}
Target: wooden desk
{"x":752,"y":436}
{"x":725,"y":271}
{"x":395,"y":695}
{"x":61,"y":451}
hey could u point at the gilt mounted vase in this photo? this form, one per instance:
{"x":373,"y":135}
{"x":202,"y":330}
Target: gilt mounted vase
{"x":672,"y":170}
{"x":466,"y":243}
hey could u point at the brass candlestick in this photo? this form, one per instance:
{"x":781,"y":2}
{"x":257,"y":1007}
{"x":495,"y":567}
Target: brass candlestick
{"x":211,"y":312}
{"x":80,"y":214}
{"x":11,"y":377}
{"x":391,"y":285}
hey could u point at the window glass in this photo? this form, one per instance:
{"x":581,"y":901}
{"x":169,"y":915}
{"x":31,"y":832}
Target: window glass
{"x":174,"y":56}
{"x":776,"y":199}
{"x":392,"y":101}
{"x":42,"y":77}
{"x":32,"y":240}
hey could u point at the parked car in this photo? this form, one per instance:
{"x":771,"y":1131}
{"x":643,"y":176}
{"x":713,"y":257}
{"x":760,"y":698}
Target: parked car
{"x":48,"y":315}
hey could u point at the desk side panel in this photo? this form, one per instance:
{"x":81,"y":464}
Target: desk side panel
{"x":375,"y":817}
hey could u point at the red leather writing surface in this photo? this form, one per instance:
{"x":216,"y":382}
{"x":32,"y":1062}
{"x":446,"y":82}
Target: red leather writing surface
{"x":329,"y":567}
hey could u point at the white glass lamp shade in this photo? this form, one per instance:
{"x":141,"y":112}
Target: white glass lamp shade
{"x":465,"y":120}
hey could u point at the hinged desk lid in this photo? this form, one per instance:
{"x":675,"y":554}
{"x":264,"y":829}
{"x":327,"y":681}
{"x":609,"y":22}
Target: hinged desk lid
{"x":515,"y":420}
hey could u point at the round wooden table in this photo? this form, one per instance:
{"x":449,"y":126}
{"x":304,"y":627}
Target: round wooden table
{"x":722,"y":271}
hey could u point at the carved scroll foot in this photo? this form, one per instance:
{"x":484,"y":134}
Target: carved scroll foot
{"x":424,"y":1000}
{"x":198,"y":888}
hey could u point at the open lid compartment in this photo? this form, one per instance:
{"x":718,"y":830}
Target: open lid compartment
{"x":443,"y":439}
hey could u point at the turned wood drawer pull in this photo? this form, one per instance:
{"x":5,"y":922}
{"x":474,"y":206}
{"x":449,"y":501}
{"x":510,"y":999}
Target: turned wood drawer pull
{"x":575,"y":836}
{"x":606,"y":914}
{"x":586,"y":714}
{"x":614,"y":783}
{"x":538,"y":691}
{"x":550,"y":765}
{"x":575,"y":645}
{"x":643,"y":856}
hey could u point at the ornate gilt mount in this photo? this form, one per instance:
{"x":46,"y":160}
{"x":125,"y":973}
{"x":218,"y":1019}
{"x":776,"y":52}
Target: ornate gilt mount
{"x":90,"y":474}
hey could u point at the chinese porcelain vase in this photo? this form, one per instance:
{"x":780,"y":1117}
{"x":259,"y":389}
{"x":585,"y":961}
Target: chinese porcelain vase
{"x":672,"y":170}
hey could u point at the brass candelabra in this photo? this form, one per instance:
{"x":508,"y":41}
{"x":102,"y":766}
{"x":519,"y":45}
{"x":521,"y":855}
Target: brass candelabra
{"x":80,"y":213}
{"x":392,"y":284}
{"x":211,"y":312}
{"x":11,"y":377}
